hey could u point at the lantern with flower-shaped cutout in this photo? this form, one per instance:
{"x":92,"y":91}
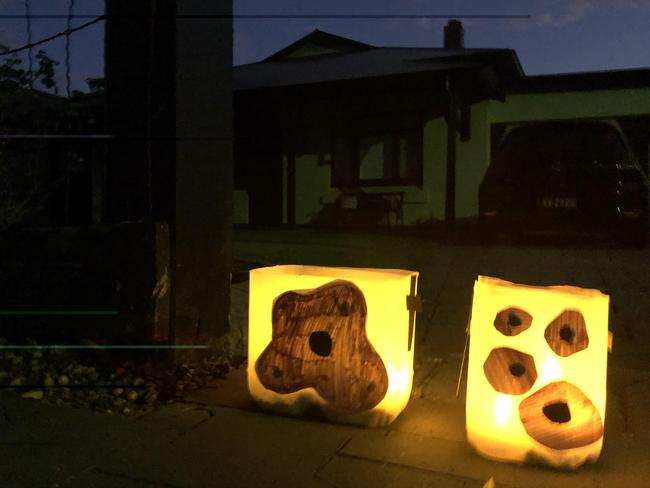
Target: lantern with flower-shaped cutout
{"x":340,"y":339}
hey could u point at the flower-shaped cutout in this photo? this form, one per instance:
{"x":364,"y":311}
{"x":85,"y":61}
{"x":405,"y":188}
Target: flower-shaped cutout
{"x":319,"y":340}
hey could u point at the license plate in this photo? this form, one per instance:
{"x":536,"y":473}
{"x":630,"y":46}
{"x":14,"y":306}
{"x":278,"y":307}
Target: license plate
{"x":556,"y":202}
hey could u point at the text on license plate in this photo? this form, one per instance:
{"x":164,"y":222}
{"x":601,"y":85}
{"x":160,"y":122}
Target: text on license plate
{"x":556,"y":202}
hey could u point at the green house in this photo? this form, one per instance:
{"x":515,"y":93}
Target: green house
{"x":331,"y":131}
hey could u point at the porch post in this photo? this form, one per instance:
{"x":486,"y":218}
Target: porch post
{"x":291,"y":186}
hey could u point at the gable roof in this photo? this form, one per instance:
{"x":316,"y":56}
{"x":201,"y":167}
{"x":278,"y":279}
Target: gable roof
{"x":341,"y":59}
{"x":318,"y":39}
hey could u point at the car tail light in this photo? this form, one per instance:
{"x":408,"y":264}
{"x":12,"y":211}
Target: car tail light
{"x":632,"y":214}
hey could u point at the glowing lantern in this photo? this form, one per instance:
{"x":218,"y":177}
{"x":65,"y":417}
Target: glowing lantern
{"x":337,"y":338}
{"x":536,"y":373}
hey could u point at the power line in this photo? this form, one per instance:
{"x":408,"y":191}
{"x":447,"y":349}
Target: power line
{"x":96,"y":19}
{"x":66,"y":32}
{"x":282,"y":16}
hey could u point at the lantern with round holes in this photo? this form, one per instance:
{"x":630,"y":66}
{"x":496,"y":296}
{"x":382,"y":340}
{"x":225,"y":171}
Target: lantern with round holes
{"x":537,"y":373}
{"x":340,"y":339}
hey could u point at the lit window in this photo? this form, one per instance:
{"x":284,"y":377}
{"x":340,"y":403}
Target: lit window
{"x":378,"y":151}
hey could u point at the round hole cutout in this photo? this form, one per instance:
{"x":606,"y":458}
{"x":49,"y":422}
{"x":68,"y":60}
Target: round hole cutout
{"x":510,"y":371}
{"x":517,"y":369}
{"x":320,"y":342}
{"x":514,"y":320}
{"x":557,"y":412}
{"x":567,"y":334}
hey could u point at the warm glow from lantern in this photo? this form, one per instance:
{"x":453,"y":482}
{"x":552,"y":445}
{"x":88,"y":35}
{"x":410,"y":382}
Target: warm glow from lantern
{"x":550,"y":370}
{"x":337,"y":338}
{"x":538,"y":356}
{"x":399,"y":380}
{"x":502,"y":409}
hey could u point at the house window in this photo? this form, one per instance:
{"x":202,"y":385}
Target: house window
{"x":378,"y":151}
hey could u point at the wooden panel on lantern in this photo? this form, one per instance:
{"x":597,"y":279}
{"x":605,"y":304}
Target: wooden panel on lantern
{"x":561,"y":416}
{"x":319,"y":341}
{"x":567,"y":334}
{"x":512,"y":321}
{"x":537,"y":373}
{"x":336,"y":338}
{"x":510,"y":371}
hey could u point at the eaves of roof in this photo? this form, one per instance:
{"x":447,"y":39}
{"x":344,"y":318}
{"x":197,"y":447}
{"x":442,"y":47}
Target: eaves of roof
{"x":582,"y":81}
{"x":370,"y":64}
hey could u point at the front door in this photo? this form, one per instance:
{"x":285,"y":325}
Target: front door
{"x":263,"y":163}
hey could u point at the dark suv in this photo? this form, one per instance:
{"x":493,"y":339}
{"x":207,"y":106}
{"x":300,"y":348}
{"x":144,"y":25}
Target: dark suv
{"x":564,"y":177}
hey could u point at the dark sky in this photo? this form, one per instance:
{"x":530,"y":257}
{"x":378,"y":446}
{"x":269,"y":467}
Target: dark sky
{"x":87,"y":46}
{"x":560,"y":36}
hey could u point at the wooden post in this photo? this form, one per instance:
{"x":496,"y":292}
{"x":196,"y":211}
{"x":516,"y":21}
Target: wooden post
{"x":127,"y":43}
{"x":203,"y":216}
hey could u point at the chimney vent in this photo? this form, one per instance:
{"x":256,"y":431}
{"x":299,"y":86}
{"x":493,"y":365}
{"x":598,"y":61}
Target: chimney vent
{"x":454,"y":35}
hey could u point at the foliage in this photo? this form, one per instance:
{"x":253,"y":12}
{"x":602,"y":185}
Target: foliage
{"x":26,"y":177}
{"x":96,"y":85}
{"x":12,"y":73}
{"x":45,"y":72}
{"x":22,"y":193}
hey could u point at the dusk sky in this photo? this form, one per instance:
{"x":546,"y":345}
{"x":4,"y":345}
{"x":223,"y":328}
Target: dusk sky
{"x":560,"y":36}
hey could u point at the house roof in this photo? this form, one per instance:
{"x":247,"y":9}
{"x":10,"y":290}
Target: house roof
{"x":336,"y":58}
{"x":585,"y":81}
{"x":323,"y":40}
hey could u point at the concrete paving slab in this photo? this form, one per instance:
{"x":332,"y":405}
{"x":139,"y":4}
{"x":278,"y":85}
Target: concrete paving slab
{"x":439,"y":419}
{"x":352,"y":472}
{"x":623,"y":462}
{"x":33,"y":465}
{"x":45,"y":445}
{"x":96,"y":478}
{"x":233,"y":448}
{"x":175,"y":418}
{"x":275,"y":451}
{"x":231,"y":391}
{"x":458,"y":459}
{"x":178,"y":446}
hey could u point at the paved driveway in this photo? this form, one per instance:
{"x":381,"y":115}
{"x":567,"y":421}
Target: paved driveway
{"x":199,"y":443}
{"x":447,"y":274}
{"x":448,"y":271}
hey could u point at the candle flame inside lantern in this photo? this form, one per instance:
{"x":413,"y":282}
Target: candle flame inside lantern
{"x":398,"y":379}
{"x":502,"y":409}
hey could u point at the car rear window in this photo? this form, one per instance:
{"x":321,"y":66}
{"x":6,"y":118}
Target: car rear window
{"x":534,"y":148}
